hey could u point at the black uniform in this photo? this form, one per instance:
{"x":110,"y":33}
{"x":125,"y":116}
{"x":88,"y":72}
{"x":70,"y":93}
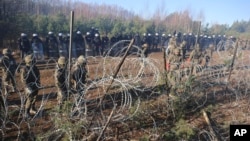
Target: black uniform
{"x":24,"y":46}
{"x":52,"y":46}
{"x":79,"y":45}
{"x":98,"y":50}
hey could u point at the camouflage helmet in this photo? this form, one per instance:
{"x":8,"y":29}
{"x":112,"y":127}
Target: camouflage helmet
{"x":81,"y":60}
{"x":62,"y":60}
{"x":183,"y":43}
{"x":172,"y":41}
{"x":6,"y":51}
{"x":197,"y":47}
{"x":28,"y":59}
{"x":145,"y":45}
{"x":177,"y":51}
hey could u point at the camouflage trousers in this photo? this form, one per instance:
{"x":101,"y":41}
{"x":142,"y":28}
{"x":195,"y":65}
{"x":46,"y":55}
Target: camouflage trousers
{"x":31,"y":96}
{"x":62,"y":95}
{"x":2,"y":105}
{"x":79,"y":86}
{"x":174,"y":77}
{"x":197,"y":66}
{"x":173,"y":80}
{"x":9,"y":83}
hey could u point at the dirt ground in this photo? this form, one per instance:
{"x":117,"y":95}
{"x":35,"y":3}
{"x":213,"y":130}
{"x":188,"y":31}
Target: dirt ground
{"x":144,"y":115}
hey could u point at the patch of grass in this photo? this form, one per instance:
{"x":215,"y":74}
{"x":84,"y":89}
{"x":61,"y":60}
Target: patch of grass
{"x":181,"y":131}
{"x":144,"y":138}
{"x":66,"y":127}
{"x":210,"y":108}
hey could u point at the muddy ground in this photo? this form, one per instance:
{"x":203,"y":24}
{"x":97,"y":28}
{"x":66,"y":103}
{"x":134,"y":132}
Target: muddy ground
{"x":137,"y":106}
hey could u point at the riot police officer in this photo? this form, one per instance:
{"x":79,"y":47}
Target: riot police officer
{"x":98,"y":50}
{"x":156,"y":40}
{"x":66,"y":39}
{"x":37,"y":47}
{"x":105,"y":43}
{"x":52,"y":45}
{"x":61,"y":45}
{"x":79,"y":44}
{"x":24,"y":45}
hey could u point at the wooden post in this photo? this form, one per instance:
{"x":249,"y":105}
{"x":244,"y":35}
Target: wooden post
{"x":120,"y":64}
{"x":207,"y":119}
{"x":165,"y":73}
{"x":232,"y":63}
{"x":117,"y":70}
{"x":198,"y":34}
{"x":196,"y":42}
{"x":70,"y":49}
{"x":106,"y":124}
{"x":164,"y":60}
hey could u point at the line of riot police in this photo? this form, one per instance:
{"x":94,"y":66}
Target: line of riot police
{"x":93,"y":44}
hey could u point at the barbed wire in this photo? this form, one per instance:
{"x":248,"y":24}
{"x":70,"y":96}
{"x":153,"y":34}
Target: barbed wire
{"x":138,"y":75}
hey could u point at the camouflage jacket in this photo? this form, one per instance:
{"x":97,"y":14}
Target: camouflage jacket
{"x":60,"y":77}
{"x":174,"y":62}
{"x":79,"y":74}
{"x":8,"y":63}
{"x":197,"y":56}
{"x":30,"y":75}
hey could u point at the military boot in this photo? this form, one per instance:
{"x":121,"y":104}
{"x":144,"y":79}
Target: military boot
{"x":33,"y":110}
{"x":27,"y":114}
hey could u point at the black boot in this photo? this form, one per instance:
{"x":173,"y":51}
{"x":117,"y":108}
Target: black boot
{"x":27,"y":114}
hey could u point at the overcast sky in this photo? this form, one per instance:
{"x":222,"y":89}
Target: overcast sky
{"x":214,"y":11}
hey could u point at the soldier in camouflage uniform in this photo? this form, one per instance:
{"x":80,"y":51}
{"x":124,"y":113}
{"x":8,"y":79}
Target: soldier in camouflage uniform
{"x":145,"y":50}
{"x":2,"y":105}
{"x":183,"y":47}
{"x":30,"y":76}
{"x":171,"y":46}
{"x":197,"y":57}
{"x":60,"y":80}
{"x":173,"y":74}
{"x":209,"y":53}
{"x":145,"y":45}
{"x":9,"y":66}
{"x":79,"y":74}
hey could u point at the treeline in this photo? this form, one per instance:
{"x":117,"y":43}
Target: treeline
{"x":41,"y":16}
